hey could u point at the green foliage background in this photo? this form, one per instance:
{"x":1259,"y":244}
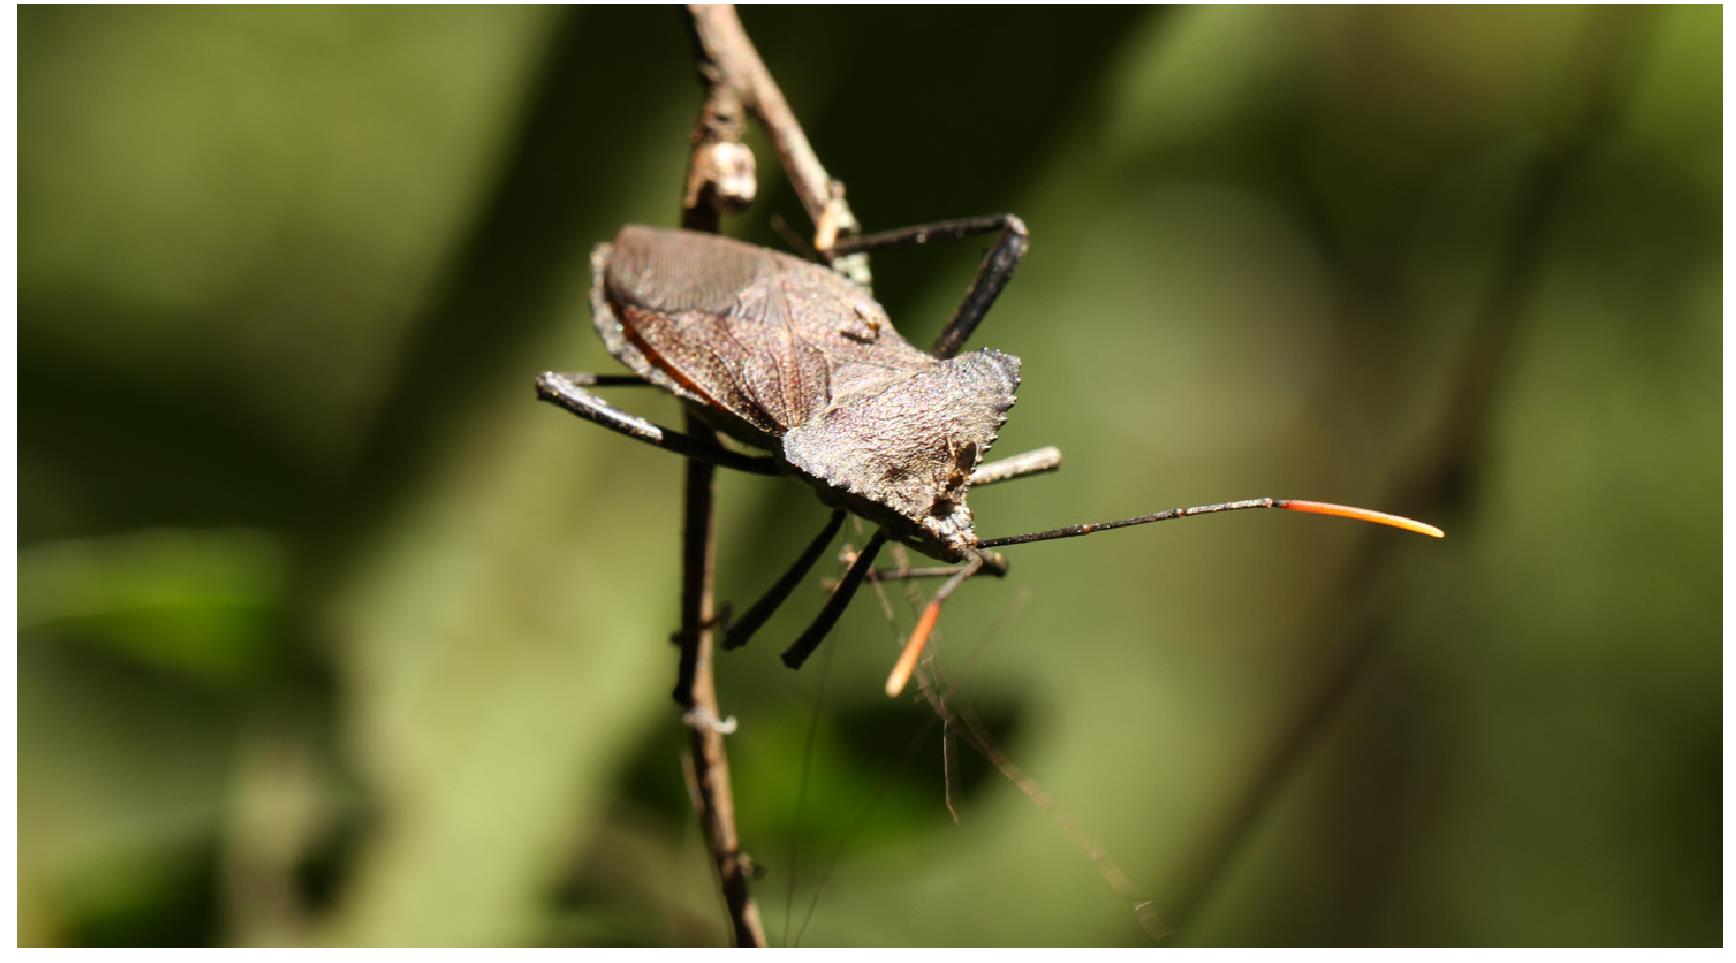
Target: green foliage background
{"x":330,"y":634}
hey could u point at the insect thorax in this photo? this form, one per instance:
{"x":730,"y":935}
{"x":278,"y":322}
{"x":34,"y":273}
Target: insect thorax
{"x":902,"y":455}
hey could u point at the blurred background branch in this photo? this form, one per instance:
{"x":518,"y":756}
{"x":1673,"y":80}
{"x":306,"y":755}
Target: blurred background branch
{"x":1440,"y":484}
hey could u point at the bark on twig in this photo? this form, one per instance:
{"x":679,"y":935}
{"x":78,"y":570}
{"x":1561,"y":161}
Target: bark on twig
{"x":713,"y":185}
{"x":707,"y":760}
{"x":736,"y":77}
{"x":721,"y":178}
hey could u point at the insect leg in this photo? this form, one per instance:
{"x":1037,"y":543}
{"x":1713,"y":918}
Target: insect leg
{"x":997,"y":267}
{"x":590,"y":380}
{"x":1031,"y":462}
{"x":884,"y":575}
{"x":815,"y":633}
{"x":740,"y":632}
{"x":568,"y":391}
{"x":911,"y":574}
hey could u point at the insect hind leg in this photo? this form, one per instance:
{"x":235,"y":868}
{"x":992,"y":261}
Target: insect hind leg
{"x":996,"y":270}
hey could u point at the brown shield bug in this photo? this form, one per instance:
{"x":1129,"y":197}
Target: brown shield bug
{"x":792,"y":358}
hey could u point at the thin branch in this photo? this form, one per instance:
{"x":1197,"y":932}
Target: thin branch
{"x":736,"y":77}
{"x":696,"y":690}
{"x":720,"y":179}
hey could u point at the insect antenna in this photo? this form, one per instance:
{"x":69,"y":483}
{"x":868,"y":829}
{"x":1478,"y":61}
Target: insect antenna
{"x":900,"y":675}
{"x":1288,"y":504}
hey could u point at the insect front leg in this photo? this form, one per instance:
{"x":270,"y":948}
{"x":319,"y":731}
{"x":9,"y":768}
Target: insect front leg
{"x":996,"y":270}
{"x":568,"y":391}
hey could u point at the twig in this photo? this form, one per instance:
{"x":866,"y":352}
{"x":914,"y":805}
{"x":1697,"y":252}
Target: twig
{"x":720,"y":179}
{"x":736,"y":78}
{"x":696,"y":690}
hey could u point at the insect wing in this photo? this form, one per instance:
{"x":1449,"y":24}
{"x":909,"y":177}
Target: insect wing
{"x":715,"y":316}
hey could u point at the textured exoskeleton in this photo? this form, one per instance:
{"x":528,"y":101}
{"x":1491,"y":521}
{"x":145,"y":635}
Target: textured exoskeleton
{"x":793,"y":358}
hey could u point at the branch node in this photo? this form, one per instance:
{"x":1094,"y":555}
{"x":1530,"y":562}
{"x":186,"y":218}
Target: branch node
{"x":703,"y":719}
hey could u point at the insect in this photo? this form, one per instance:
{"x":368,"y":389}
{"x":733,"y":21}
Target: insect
{"x":791,"y":358}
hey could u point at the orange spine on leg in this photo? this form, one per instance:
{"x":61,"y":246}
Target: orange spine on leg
{"x":906,"y":664}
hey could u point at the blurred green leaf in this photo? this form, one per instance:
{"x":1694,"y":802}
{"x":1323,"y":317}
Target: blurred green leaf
{"x":203,"y":604}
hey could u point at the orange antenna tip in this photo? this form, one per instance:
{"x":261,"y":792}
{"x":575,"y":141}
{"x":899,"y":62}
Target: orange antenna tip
{"x":1361,"y":515}
{"x":906,"y":663}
